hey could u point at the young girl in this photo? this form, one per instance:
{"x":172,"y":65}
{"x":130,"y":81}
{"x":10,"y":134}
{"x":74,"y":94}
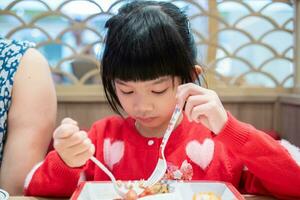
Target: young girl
{"x":148,"y":66}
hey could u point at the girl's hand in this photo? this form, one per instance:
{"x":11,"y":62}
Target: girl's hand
{"x":73,"y":146}
{"x":202,"y":105}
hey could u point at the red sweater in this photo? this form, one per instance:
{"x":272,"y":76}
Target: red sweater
{"x":249,"y":159}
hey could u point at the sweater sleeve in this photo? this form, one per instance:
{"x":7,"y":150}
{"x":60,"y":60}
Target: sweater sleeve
{"x":52,"y":178}
{"x":270,"y":168}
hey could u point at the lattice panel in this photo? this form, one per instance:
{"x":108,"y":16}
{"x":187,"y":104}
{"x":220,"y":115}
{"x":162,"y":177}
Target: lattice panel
{"x":260,"y":51}
{"x":241,"y":43}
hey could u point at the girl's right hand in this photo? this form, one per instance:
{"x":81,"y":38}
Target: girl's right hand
{"x":202,"y":106}
{"x":73,"y":145}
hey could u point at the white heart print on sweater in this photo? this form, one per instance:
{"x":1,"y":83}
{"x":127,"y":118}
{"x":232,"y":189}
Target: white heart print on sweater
{"x":112,"y":152}
{"x":201,"y":154}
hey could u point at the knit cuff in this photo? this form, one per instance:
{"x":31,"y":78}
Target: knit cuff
{"x":235,"y":133}
{"x":52,"y":177}
{"x":60,"y":167}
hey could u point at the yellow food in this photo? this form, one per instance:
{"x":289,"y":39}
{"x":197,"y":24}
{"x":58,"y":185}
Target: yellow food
{"x":206,"y":196}
{"x":157,"y":188}
{"x":131,"y":195}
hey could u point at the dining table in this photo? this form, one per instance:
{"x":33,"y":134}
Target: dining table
{"x":247,"y":197}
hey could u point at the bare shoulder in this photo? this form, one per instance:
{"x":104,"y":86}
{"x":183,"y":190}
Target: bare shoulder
{"x":33,"y":62}
{"x":33,"y":84}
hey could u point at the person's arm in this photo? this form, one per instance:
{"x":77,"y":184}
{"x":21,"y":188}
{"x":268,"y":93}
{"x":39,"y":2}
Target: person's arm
{"x":59,"y":174}
{"x":275,"y":171}
{"x":270,"y":168}
{"x":31,"y":121}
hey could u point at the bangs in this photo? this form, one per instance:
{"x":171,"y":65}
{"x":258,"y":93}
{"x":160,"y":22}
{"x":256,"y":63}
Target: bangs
{"x":146,"y":40}
{"x":144,"y":47}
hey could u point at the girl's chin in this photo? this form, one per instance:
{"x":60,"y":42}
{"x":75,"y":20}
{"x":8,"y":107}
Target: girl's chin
{"x":153,"y":124}
{"x":149,"y":123}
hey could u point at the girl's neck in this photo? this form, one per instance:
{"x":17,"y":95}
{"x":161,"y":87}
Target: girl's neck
{"x":155,"y":132}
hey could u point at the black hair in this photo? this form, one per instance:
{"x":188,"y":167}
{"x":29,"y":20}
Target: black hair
{"x":147,"y":40}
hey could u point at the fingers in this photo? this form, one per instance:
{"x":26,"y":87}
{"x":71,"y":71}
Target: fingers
{"x":201,"y":110}
{"x":82,"y":147}
{"x":77,"y":149}
{"x":73,"y":145}
{"x":189,"y":89}
{"x":81,"y":158}
{"x":85,"y":155}
{"x":77,"y":138}
{"x":66,"y":129}
{"x":202,"y":105}
{"x":68,"y":120}
{"x":193,"y":101}
{"x":74,"y":139}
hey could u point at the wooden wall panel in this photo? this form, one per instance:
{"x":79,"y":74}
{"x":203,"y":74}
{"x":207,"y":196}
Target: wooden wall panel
{"x":290,"y":122}
{"x":290,"y":118}
{"x":259,"y":114}
{"x":233,"y":108}
{"x":84,"y":112}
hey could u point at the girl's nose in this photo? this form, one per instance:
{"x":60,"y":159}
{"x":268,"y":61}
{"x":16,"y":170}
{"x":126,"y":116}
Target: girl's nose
{"x":142,"y":106}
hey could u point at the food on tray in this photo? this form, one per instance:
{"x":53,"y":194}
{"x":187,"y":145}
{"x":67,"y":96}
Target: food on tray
{"x":158,"y":188}
{"x":131,"y":195}
{"x":165,"y":190}
{"x":206,"y":196}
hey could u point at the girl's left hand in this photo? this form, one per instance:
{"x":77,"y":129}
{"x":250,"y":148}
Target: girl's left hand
{"x":202,"y":105}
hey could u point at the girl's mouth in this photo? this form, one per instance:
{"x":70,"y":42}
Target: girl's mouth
{"x":145,"y":119}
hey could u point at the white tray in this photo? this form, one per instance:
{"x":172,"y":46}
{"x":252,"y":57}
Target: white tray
{"x":181,"y":191}
{"x":3,"y":195}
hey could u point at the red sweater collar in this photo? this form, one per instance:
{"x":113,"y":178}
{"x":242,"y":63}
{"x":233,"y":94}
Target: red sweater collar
{"x":136,"y":139}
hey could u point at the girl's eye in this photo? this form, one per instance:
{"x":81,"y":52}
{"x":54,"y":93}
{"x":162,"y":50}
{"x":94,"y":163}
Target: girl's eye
{"x":160,"y":92}
{"x":129,"y":92}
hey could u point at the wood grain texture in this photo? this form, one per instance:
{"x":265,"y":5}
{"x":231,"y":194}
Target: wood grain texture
{"x":290,"y":123}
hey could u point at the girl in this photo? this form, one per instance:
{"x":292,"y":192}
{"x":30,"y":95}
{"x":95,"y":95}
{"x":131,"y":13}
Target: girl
{"x":147,"y":67}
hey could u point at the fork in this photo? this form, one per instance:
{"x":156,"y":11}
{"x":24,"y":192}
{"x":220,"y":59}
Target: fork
{"x":122,"y":191}
{"x":161,"y":165}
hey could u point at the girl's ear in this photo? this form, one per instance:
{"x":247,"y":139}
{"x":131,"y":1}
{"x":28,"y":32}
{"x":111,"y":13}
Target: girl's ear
{"x":198,"y":71}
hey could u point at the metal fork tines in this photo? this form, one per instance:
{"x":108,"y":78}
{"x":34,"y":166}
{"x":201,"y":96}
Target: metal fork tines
{"x":161,"y":165}
{"x":121,"y":190}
